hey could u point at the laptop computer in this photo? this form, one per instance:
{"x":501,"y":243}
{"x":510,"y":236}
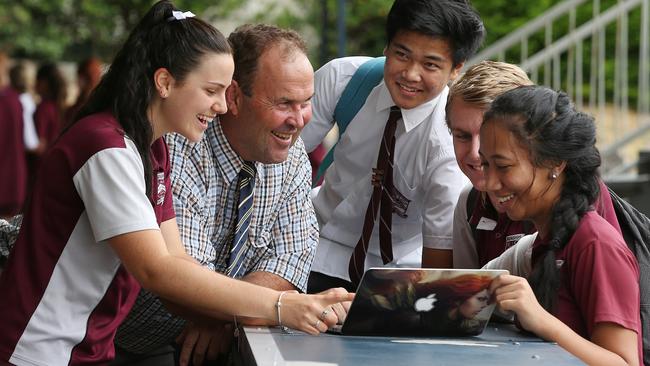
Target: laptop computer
{"x":421,"y":302}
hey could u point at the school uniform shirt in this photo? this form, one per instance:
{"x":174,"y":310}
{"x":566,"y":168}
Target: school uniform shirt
{"x":599,"y":279}
{"x":13,"y":180}
{"x":282,"y":236}
{"x":424,"y":172}
{"x":495,"y":232}
{"x":47,"y":120}
{"x":48,"y":126}
{"x":29,"y":130}
{"x":64,"y":290}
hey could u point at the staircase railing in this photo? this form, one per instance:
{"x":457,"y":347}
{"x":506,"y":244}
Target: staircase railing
{"x":560,"y":65}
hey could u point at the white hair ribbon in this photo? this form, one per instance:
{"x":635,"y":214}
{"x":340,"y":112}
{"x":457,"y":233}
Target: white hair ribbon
{"x":180,"y":15}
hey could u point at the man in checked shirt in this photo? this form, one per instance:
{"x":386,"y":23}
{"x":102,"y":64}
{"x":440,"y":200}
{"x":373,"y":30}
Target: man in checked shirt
{"x":269,"y":102}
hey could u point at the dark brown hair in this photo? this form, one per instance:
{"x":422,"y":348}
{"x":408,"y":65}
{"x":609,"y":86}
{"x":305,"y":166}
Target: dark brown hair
{"x":250,"y":41}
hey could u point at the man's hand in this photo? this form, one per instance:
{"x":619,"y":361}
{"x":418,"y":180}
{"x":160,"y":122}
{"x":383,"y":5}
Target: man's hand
{"x":202,"y":343}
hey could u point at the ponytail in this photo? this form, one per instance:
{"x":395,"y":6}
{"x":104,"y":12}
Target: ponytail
{"x":158,"y":41}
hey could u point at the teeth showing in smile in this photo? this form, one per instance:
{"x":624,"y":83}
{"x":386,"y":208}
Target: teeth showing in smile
{"x":205,"y":118}
{"x":283,"y":136}
{"x":406,"y":88}
{"x":506,"y":198}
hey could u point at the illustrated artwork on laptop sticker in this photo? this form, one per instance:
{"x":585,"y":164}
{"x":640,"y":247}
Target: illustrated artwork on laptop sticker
{"x":422,"y":302}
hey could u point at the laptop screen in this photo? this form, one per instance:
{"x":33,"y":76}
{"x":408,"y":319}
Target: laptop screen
{"x":421,"y":302}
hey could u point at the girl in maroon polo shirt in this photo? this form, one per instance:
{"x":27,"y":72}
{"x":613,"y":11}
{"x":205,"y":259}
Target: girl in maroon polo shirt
{"x":541,"y":164}
{"x":12,"y":153}
{"x":89,"y":72}
{"x":51,"y":87}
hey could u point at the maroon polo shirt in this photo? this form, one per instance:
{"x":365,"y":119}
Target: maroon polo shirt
{"x":13,"y":179}
{"x":599,"y":279}
{"x":64,"y":290}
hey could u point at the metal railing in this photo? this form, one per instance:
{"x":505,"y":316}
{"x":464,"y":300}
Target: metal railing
{"x":560,"y":64}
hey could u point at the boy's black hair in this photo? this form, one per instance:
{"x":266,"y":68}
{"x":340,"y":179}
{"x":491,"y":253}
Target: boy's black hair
{"x":454,"y":20}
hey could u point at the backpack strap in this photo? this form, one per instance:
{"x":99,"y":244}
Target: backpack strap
{"x":471,"y":205}
{"x":354,"y":96}
{"x":635,"y":227}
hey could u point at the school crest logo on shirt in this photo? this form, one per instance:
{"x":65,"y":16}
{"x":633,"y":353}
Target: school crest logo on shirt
{"x":512,"y":240}
{"x":161,"y":190}
{"x":400,"y":203}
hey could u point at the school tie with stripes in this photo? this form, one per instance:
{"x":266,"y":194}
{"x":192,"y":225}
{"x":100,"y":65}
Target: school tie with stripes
{"x":245,"y":186}
{"x":382,"y":182}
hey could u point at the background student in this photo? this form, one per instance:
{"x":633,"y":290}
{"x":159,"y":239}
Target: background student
{"x":13,"y":183}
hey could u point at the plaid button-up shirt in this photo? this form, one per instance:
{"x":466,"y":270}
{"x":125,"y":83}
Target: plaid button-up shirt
{"x":282,"y":236}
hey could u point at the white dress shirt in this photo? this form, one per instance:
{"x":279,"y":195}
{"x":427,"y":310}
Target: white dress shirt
{"x":517,"y":258}
{"x":425,"y":172}
{"x":29,"y":130}
{"x":465,"y":254}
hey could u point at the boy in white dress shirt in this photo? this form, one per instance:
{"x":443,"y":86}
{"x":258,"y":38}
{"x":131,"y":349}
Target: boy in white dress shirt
{"x":427,"y":44}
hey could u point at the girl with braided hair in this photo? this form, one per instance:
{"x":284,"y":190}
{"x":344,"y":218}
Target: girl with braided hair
{"x":541,"y":164}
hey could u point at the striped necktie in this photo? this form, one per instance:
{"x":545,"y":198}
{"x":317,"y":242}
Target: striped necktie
{"x":245,"y":186}
{"x":382,"y":181}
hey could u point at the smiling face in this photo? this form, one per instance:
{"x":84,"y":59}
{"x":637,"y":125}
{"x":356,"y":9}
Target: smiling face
{"x":465,"y":122}
{"x":417,"y":68}
{"x":472,"y":306}
{"x":187,"y":107}
{"x":521,"y":189}
{"x":269,"y":121}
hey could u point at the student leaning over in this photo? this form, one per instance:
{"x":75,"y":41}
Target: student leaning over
{"x":427,"y":44}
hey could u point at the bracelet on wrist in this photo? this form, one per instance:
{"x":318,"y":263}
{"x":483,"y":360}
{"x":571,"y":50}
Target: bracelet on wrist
{"x":278,"y":306}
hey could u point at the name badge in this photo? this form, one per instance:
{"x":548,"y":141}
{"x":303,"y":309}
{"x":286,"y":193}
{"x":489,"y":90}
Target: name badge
{"x":486,"y":224}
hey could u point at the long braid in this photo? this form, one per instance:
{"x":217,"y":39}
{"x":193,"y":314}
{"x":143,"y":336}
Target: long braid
{"x":566,"y":214}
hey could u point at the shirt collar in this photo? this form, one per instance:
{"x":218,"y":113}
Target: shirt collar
{"x":227,"y":160}
{"x":411,"y":117}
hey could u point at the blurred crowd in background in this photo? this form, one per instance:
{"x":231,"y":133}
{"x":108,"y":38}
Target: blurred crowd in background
{"x":39,"y":102}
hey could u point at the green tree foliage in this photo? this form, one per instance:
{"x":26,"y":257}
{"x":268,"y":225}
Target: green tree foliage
{"x":503,"y":16}
{"x":74,"y":29}
{"x":365,"y":21}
